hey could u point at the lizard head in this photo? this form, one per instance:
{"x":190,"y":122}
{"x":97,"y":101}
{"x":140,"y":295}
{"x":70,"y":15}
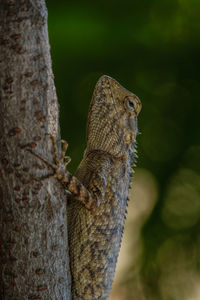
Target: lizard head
{"x":112,"y":118}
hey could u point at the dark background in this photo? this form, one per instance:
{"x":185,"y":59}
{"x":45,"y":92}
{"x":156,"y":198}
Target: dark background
{"x":152,"y":49}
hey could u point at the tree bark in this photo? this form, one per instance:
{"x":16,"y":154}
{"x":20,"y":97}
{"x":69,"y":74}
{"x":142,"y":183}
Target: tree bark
{"x":33,"y":226}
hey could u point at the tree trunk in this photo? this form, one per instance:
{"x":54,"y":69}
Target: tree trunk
{"x":33,"y":226}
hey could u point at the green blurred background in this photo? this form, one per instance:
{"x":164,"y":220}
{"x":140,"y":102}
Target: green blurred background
{"x":151,"y":48}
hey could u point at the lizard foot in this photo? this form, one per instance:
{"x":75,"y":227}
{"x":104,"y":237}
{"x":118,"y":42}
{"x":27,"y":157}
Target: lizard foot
{"x":60,"y":162}
{"x":70,"y":182}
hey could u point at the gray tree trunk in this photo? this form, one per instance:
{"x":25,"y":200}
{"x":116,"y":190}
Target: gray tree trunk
{"x":34,"y":261}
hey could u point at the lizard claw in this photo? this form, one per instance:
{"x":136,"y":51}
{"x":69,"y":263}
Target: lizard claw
{"x":67,"y":160}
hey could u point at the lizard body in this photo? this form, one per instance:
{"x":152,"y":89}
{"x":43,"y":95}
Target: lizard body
{"x":101,"y":183}
{"x":95,"y":238}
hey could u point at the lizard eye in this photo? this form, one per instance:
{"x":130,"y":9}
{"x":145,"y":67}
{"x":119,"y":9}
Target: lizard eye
{"x":129,"y":103}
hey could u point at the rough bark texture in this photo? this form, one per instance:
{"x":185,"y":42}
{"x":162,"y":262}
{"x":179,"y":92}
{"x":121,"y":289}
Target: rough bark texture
{"x":33,"y":230}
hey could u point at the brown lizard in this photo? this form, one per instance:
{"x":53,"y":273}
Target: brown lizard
{"x":101,"y":183}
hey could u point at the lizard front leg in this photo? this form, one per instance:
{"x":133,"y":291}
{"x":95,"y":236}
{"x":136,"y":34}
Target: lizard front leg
{"x":91,"y":200}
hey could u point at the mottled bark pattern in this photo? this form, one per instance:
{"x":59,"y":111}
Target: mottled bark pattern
{"x":33,"y":229}
{"x":95,"y":234}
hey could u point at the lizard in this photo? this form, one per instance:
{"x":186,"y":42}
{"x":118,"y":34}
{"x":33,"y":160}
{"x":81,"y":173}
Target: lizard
{"x":97,"y":205}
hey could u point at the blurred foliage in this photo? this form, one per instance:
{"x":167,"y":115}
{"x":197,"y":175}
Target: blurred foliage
{"x":152,"y":48}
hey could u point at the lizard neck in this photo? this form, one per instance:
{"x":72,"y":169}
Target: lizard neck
{"x":89,"y":153}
